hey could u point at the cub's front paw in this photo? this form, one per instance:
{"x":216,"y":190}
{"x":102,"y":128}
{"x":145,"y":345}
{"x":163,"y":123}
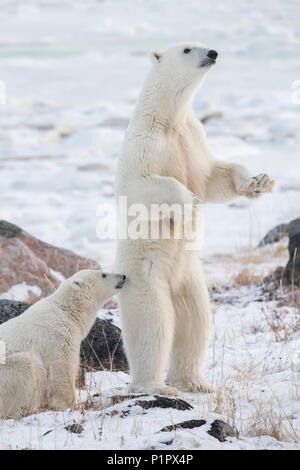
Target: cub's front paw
{"x":255,"y":186}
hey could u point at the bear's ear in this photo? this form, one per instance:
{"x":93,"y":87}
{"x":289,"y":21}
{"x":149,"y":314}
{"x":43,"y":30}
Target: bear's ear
{"x":155,"y":57}
{"x":79,"y":284}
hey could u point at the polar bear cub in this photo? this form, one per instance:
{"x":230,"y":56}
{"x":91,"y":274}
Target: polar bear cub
{"x":43,"y":344}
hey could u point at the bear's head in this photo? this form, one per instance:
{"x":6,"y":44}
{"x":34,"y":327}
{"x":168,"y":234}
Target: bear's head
{"x":184,"y":65}
{"x":91,"y":286}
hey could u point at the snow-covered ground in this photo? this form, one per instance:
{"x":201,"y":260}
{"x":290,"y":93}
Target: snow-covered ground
{"x":251,"y":364}
{"x":73,"y":70}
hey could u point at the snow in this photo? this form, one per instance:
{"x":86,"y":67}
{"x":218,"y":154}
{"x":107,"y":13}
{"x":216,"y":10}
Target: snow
{"x":72,"y":72}
{"x":21,"y":292}
{"x":253,"y":364}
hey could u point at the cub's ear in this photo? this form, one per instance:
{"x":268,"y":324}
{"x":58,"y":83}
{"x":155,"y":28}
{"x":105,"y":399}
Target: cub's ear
{"x":79,"y":284}
{"x":155,"y":57}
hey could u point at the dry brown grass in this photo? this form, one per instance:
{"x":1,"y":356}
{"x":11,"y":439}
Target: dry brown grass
{"x":266,"y":422}
{"x":233,"y":396}
{"x":253,"y":255}
{"x":254,"y":411}
{"x":247,"y":278}
{"x":283,"y":328}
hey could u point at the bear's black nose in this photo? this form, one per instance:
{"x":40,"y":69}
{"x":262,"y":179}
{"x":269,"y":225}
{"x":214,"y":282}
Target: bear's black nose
{"x":121,"y":282}
{"x":212,"y":54}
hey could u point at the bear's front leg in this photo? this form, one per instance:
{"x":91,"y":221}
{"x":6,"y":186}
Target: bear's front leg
{"x":230,"y":181}
{"x":254,"y":186}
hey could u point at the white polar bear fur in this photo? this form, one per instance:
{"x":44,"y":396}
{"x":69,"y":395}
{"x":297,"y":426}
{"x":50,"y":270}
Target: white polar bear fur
{"x":166,"y":159}
{"x":43,"y":344}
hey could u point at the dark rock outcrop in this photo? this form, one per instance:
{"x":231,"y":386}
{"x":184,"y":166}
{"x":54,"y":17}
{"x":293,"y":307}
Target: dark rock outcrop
{"x":75,"y":428}
{"x":218,"y":429}
{"x":10,"y":309}
{"x":275,"y":235}
{"x":159,"y":401}
{"x":103,"y":348}
{"x":221,"y":430}
{"x":290,"y":275}
{"x":164,"y":402}
{"x":292,"y":270}
{"x":192,"y":423}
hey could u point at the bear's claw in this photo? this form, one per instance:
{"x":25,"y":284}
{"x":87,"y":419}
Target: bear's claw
{"x":256,"y":185}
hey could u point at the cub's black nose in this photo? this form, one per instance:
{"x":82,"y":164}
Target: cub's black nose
{"x":212,"y":54}
{"x":123,"y":277}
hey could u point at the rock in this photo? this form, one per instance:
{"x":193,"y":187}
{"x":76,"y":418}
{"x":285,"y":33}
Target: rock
{"x":103,"y":348}
{"x":291,"y":300}
{"x":275,"y":235}
{"x":159,"y":401}
{"x":75,"y":428}
{"x":292,"y":270}
{"x":164,"y":402}
{"x":291,"y":274}
{"x":193,"y":423}
{"x":213,"y":115}
{"x":100,"y":167}
{"x":10,"y":309}
{"x":115,"y":399}
{"x":221,"y":430}
{"x":272,"y":282}
{"x":218,"y":429}
{"x":26,"y":259}
{"x":8,"y":230}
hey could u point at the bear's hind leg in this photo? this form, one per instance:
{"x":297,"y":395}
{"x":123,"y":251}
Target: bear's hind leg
{"x":192,"y":329}
{"x":22,"y":385}
{"x":147,"y":328}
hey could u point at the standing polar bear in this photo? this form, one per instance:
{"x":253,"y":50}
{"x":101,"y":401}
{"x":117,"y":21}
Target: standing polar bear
{"x":166,"y":160}
{"x":43,"y":344}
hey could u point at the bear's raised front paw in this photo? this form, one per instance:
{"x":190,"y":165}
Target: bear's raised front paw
{"x":257,"y":185}
{"x":153,"y":390}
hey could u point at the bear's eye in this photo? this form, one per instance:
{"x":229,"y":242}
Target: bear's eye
{"x":103,"y":275}
{"x":187,"y":50}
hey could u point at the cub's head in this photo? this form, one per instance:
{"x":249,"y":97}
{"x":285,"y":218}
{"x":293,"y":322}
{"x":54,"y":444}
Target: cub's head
{"x":92,"y":284}
{"x":184,"y":64}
